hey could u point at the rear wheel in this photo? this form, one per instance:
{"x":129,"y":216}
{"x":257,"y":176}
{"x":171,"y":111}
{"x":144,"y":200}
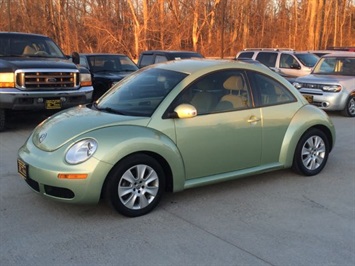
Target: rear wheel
{"x":135,"y":185}
{"x":349,"y":109}
{"x":311,"y":153}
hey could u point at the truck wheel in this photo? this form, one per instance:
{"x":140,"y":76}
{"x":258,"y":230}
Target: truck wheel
{"x":135,"y":185}
{"x":349,"y":109}
{"x":2,"y":119}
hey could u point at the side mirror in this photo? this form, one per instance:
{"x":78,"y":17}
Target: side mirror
{"x":75,"y":58}
{"x":185,"y":111}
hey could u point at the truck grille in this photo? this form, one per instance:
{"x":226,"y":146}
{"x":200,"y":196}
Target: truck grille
{"x":38,"y":80}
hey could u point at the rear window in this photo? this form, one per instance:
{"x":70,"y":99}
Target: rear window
{"x":246,"y":55}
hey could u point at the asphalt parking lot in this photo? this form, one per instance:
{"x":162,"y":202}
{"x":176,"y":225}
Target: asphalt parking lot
{"x":278,"y":218}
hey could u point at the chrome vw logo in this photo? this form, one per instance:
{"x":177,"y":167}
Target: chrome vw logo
{"x":42,"y":137}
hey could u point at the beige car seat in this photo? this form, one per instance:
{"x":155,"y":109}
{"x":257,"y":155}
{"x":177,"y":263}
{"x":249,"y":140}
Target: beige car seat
{"x":235,"y":85}
{"x":28,"y":50}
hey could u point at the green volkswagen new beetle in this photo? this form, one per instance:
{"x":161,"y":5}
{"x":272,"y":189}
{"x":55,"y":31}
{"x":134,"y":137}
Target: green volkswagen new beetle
{"x":173,"y":126}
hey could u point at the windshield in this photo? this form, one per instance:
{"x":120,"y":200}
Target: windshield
{"x":140,"y":93}
{"x":28,"y":46}
{"x":308,"y":60}
{"x":111,"y":63}
{"x":335,"y":66}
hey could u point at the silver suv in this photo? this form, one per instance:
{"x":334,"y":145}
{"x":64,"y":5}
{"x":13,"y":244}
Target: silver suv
{"x":331,"y":85}
{"x":286,"y":62}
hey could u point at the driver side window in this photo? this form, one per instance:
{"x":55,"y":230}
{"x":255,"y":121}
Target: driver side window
{"x":218,"y":92}
{"x":288,"y":61}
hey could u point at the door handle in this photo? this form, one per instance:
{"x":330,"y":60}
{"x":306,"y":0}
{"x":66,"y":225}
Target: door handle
{"x":253,"y":119}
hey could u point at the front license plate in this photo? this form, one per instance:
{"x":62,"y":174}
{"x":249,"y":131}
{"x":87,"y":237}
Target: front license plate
{"x":309,"y":98}
{"x":53,"y":104}
{"x":22,"y":168}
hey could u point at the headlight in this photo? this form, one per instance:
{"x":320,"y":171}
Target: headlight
{"x":85,"y":79}
{"x":81,"y":151}
{"x":297,"y":85}
{"x":7,"y":80}
{"x":332,"y":88}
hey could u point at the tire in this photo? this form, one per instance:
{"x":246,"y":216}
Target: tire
{"x":135,"y":185}
{"x":311,"y":153}
{"x":349,"y":109}
{"x":2,"y":119}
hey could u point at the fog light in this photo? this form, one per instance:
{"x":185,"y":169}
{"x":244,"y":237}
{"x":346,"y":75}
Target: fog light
{"x":40,"y":100}
{"x":63,"y":99}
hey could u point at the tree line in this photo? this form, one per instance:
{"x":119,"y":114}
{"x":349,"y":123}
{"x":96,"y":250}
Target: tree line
{"x":215,"y":28}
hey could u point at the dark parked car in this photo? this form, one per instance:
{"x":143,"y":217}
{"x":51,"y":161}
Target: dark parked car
{"x":158,"y":56}
{"x":105,"y":69}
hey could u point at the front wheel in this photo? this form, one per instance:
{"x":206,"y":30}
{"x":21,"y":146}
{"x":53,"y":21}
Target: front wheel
{"x":311,"y":153}
{"x":349,"y":109}
{"x":135,"y":185}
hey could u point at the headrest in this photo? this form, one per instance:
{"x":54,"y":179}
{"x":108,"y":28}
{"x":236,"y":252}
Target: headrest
{"x":234,"y":83}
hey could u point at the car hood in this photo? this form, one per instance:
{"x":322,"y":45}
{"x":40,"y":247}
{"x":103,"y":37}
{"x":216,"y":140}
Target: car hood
{"x":14,"y":63}
{"x":61,"y":128}
{"x":324,"y":79}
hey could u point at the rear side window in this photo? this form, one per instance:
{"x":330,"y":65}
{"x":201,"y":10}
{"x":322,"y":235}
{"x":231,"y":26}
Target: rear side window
{"x":268,"y":91}
{"x":246,"y":55}
{"x":268,"y":59}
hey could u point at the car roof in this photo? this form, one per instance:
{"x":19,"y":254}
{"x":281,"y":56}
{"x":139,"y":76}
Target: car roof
{"x":97,"y":54}
{"x":271,"y":50}
{"x":191,"y":66}
{"x":169,"y":51}
{"x":22,"y":34}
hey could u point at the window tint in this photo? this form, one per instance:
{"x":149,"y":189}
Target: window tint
{"x":160,"y":59}
{"x":146,"y":60}
{"x":309,"y":60}
{"x":83,"y":62}
{"x":140,"y":93}
{"x":268,"y":91}
{"x":267,"y":58}
{"x":287,"y":61}
{"x":246,"y":55}
{"x":218,"y":92}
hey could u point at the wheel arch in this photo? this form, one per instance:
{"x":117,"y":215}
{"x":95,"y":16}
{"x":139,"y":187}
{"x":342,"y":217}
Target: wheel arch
{"x":169,"y":181}
{"x":130,"y":140}
{"x":305,"y":119}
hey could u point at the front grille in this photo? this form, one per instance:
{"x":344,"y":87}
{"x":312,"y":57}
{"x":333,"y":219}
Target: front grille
{"x":41,"y":80}
{"x":312,"y":86}
{"x":59,"y":192}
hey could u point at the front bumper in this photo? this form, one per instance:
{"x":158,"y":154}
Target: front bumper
{"x":328,"y":101}
{"x":15,"y":99}
{"x":42,"y":169}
